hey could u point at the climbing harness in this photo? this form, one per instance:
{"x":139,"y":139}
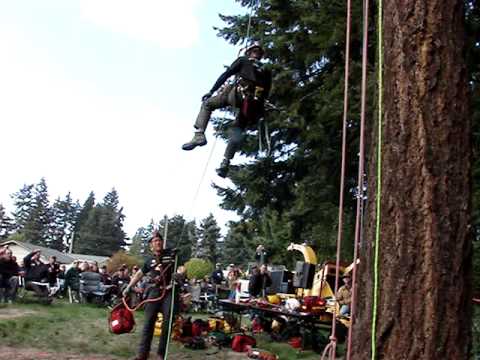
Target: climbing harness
{"x":162,"y":283}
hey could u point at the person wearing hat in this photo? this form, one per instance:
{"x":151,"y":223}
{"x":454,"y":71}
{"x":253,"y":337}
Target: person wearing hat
{"x":344,"y":295}
{"x":160,"y":267}
{"x":248,"y":93}
{"x":217,"y":275}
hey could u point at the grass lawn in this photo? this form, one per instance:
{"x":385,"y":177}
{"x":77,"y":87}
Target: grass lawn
{"x":65,"y":328}
{"x":83,"y":329}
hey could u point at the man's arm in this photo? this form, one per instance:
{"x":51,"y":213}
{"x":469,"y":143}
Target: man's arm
{"x":133,"y":281}
{"x":232,"y":70}
{"x":27,"y":260}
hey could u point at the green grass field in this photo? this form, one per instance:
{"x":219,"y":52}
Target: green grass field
{"x":83,"y":329}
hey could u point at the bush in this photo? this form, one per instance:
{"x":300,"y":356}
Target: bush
{"x":198,"y":268}
{"x":120,"y":258}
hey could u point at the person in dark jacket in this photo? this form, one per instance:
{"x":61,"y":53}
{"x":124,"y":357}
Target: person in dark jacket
{"x":261,"y":255}
{"x":160,"y":269}
{"x":36,"y":273}
{"x":72,"y":282}
{"x":248,"y":94}
{"x":53,"y":270}
{"x":9,"y":269}
{"x":217,"y":275}
{"x":259,"y":281}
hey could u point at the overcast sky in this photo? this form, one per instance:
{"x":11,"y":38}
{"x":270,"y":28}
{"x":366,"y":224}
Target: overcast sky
{"x":96,"y":94}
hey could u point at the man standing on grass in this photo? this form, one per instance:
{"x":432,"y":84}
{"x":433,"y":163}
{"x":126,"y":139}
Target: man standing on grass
{"x":160,"y":267}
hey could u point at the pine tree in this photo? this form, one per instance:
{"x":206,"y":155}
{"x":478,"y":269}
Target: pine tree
{"x":82,"y":217}
{"x":180,"y":236}
{"x":425,"y":244}
{"x":6,"y":224}
{"x":299,"y":182}
{"x":239,"y":245}
{"x":102,"y":231}
{"x":23,"y":202}
{"x":139,"y":246}
{"x":33,"y":215}
{"x":64,"y":213}
{"x":209,"y":237}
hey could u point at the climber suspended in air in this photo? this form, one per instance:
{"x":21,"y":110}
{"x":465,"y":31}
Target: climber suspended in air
{"x":247,"y":94}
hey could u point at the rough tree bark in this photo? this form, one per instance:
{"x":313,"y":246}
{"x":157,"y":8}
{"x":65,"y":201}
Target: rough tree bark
{"x":424,"y":309}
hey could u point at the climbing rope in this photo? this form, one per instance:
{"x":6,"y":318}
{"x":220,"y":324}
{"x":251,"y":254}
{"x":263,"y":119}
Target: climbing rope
{"x":361,"y":166}
{"x":379,"y":176}
{"x":163,"y":287}
{"x":330,"y":349}
{"x":203,"y":174}
{"x":172,"y":308}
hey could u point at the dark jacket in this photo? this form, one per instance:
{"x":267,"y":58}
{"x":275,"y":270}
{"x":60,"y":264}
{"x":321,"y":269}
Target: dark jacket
{"x":249,"y":70}
{"x":9,"y":267}
{"x":34,"y":270}
{"x":217,"y":276}
{"x":72,"y":278}
{"x":258,"y":282}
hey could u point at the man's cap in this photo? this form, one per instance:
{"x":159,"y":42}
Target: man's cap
{"x":155,"y":234}
{"x":347,"y":276}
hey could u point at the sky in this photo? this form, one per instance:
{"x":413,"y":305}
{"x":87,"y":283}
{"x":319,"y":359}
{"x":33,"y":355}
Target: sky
{"x":101,"y":94}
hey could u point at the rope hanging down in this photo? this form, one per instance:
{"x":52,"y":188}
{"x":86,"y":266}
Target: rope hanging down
{"x":330,"y":349}
{"x":361,"y":171}
{"x":379,"y":176}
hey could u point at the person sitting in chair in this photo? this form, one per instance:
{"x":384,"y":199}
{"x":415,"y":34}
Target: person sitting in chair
{"x":36,"y":275}
{"x":344,"y":296}
{"x":247,"y":94}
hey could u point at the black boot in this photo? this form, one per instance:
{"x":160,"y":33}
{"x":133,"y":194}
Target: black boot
{"x":222,"y":171}
{"x":198,"y":139}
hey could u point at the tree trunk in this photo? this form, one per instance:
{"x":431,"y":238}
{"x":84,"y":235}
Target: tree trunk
{"x":424,"y":305}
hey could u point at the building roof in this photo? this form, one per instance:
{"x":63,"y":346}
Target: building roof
{"x":61,"y":257}
{"x":91,"y":258}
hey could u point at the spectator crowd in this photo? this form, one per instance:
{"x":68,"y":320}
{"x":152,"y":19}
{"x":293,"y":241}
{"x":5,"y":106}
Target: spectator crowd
{"x":84,"y":281}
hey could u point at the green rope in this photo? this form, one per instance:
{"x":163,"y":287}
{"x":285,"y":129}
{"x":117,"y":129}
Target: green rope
{"x":379,"y":176}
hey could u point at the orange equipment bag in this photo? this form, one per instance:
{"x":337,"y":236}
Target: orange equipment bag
{"x":120,"y":320}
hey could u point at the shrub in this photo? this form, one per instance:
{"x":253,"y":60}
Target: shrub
{"x":120,"y":258}
{"x":198,"y":268}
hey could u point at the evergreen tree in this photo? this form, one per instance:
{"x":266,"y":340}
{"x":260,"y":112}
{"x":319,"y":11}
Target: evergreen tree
{"x":239,"y":245}
{"x":209,"y":237}
{"x":64,"y":213}
{"x":180,"y":237}
{"x":299,"y":183}
{"x":139,"y":246}
{"x":425,"y":194}
{"x":102,"y":232}
{"x":81,"y":219}
{"x":33,"y":214}
{"x":6,"y":224}
{"x":23,"y":202}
